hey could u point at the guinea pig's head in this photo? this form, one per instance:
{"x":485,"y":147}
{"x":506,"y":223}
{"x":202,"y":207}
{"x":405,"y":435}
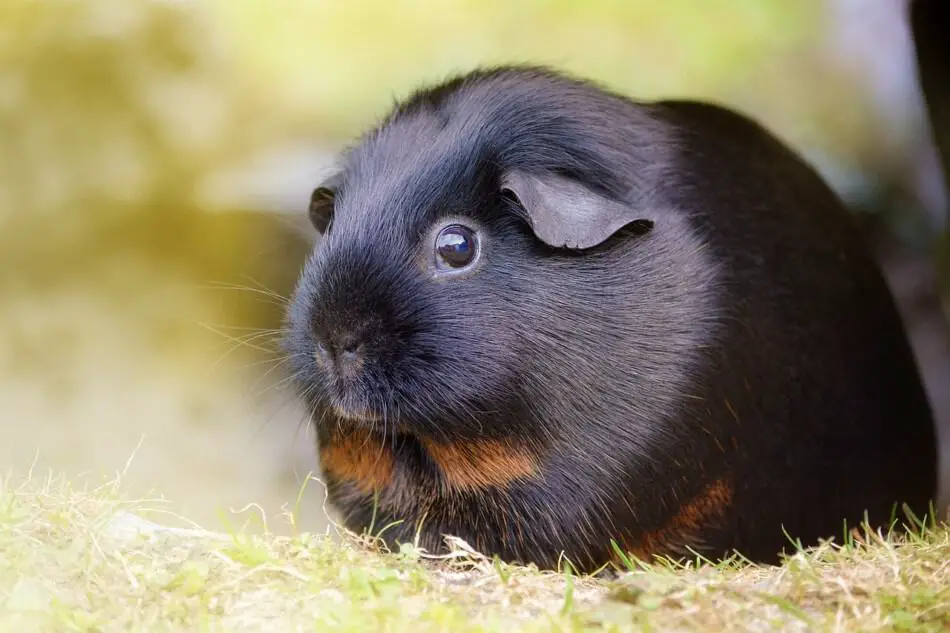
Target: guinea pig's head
{"x":488,"y":264}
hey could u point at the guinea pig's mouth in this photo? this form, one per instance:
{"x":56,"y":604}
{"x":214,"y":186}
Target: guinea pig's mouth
{"x":351,"y":401}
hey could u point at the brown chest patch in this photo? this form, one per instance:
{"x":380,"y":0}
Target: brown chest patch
{"x":470,"y":466}
{"x":359,"y":457}
{"x":687,"y":524}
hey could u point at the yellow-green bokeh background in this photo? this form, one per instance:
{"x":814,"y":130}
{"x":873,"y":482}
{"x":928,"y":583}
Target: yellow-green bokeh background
{"x":129,"y":222}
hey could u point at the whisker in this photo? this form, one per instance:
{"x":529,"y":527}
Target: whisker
{"x":280,"y":360}
{"x":245,"y":328}
{"x":290,"y":399}
{"x":238,"y":343}
{"x":262,"y":287}
{"x":382,"y":444}
{"x":273,"y":415}
{"x":259,"y":336}
{"x":274,"y":298}
{"x":275,"y":386}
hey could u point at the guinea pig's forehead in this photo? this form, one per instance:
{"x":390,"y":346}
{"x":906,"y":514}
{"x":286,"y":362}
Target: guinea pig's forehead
{"x":375,"y":206}
{"x":403,"y":138}
{"x":401,"y":180}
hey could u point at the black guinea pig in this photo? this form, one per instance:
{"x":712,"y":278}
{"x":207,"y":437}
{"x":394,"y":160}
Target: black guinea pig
{"x":542,"y":317}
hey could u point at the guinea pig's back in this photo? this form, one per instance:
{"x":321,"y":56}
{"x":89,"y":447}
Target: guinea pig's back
{"x":822,"y":386}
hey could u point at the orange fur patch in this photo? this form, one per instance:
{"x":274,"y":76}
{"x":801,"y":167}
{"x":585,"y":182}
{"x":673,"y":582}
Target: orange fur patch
{"x":688,"y":522}
{"x":359,"y":457}
{"x":481,"y":464}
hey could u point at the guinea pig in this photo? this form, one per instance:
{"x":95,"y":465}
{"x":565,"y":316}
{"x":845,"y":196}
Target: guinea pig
{"x":557,"y":322}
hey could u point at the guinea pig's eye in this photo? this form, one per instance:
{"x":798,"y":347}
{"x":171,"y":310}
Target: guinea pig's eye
{"x":455,"y":246}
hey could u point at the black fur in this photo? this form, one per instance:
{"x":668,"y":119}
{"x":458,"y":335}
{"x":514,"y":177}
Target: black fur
{"x":743,"y":334}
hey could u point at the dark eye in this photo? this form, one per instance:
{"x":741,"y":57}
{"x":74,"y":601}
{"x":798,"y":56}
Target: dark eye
{"x":456,"y":246}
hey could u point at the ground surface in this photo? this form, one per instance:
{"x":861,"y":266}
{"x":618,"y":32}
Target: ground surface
{"x":86,"y":560}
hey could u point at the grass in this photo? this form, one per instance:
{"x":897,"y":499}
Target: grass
{"x":89,"y":560}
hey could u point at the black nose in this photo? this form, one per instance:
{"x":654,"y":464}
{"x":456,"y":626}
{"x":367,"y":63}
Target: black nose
{"x":340,"y":352}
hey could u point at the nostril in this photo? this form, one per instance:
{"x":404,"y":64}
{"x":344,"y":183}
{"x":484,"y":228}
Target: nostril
{"x":351,"y":354}
{"x":350,"y":346}
{"x":323,"y":353}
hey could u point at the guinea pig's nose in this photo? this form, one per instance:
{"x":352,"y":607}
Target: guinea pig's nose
{"x":349,"y":355}
{"x":342,"y":353}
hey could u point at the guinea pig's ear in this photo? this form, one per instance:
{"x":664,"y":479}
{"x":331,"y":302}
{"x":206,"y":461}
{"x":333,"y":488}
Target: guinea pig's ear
{"x":321,"y":203}
{"x":565,"y":214}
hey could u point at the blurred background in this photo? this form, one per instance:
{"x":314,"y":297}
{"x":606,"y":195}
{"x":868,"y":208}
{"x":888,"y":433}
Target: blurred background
{"x":156,"y":159}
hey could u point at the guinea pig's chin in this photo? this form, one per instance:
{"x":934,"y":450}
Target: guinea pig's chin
{"x":356,"y":412}
{"x":358,"y":416}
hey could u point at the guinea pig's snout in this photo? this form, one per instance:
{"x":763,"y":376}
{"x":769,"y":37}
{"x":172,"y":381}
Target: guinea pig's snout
{"x":340,"y":352}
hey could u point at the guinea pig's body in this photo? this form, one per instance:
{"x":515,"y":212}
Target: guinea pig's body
{"x":543,"y":317}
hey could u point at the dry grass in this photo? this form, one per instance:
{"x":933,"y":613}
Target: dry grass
{"x":85,"y":560}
